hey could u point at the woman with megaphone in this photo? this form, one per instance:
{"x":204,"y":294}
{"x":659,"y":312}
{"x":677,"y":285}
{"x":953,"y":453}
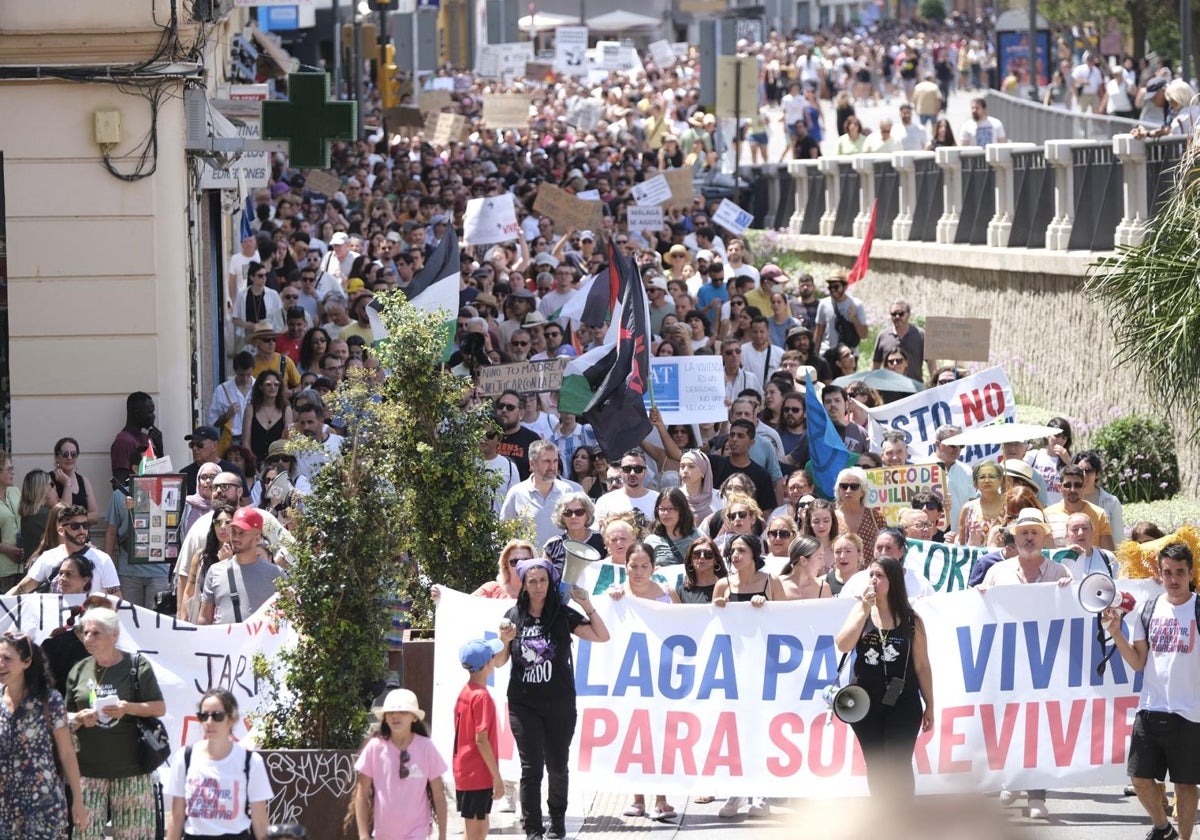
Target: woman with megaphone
{"x":892,"y":667}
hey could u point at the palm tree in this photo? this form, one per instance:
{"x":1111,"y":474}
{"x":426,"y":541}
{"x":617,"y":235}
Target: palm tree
{"x":1152,"y":294}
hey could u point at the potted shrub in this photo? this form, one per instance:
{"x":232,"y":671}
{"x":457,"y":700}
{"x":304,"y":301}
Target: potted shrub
{"x":405,"y":503}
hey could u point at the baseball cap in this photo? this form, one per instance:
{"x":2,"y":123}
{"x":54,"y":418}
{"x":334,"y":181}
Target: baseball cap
{"x":339,"y":238}
{"x":477,"y":653}
{"x":247,"y":519}
{"x":204,"y":433}
{"x":587,"y":236}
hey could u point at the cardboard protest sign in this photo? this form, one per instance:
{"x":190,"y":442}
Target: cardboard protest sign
{"x":322,"y":182}
{"x":568,"y":210}
{"x":446,"y":128}
{"x":958,"y":339}
{"x":891,"y":489}
{"x":490,"y":220}
{"x":506,"y":110}
{"x":526,"y":377}
{"x":398,"y":118}
{"x":682,"y":190}
{"x":433,"y":101}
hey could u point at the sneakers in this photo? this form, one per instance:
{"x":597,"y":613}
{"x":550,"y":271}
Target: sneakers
{"x":509,"y":804}
{"x":557,"y":830}
{"x":759,"y":807}
{"x":1038,"y":809}
{"x":1168,"y":833}
{"x":1007,"y":797}
{"x":731,"y":807}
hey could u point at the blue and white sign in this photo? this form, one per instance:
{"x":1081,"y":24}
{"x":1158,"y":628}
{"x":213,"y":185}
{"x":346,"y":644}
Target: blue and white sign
{"x":688,"y":389}
{"x":733,"y":218}
{"x":279,"y":18}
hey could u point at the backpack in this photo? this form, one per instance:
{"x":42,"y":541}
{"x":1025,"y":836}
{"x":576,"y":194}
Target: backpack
{"x":187,"y":764}
{"x":1148,"y":611}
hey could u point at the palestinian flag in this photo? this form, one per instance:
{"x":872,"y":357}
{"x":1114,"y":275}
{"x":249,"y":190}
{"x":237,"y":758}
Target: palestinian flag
{"x":434,"y":289}
{"x":592,"y":303}
{"x":605,"y":386}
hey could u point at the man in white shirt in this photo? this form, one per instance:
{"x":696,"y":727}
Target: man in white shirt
{"x":534,"y":498}
{"x":1089,"y":85}
{"x":1166,"y":731}
{"x":238,"y":264}
{"x":633,"y":493}
{"x":311,"y":422}
{"x":229,"y":400}
{"x":737,"y":379}
{"x":981,"y":129}
{"x":502,"y":466}
{"x":882,"y":141}
{"x":759,"y":355}
{"x":73,"y":526}
{"x":910,"y":135}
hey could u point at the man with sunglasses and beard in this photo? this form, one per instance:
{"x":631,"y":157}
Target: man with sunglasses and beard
{"x":633,"y":493}
{"x":73,"y":525}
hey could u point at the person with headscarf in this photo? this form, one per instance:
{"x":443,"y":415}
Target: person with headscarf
{"x":541,"y":688}
{"x":696,"y":482}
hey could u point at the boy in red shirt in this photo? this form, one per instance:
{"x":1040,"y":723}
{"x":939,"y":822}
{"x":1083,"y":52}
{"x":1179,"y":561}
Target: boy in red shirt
{"x":477,"y":779}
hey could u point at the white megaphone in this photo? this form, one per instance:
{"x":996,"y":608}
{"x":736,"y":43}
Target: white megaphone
{"x":850,"y":703}
{"x":579,"y":556}
{"x":1098,"y":592}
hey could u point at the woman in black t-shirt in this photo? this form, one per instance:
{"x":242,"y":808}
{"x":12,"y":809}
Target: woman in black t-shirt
{"x":892,"y":665}
{"x":541,"y":687}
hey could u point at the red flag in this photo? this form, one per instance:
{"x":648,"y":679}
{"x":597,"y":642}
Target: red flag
{"x":864,"y":254}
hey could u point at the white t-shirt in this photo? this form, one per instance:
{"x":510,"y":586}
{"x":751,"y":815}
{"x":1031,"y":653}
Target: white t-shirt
{"x":104,"y":577}
{"x":618,"y":501}
{"x":914,"y":584}
{"x":215,"y":792}
{"x":988,"y":130}
{"x":1171,"y":678}
{"x":509,"y":478}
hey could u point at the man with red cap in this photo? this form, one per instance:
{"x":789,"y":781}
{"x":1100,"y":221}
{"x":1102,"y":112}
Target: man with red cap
{"x":234,"y":588}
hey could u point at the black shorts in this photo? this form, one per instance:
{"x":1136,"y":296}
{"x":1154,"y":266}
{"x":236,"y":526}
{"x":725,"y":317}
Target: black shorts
{"x":474,"y":804}
{"x":1164,"y":743}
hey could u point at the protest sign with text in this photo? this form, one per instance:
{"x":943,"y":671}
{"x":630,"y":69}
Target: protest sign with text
{"x":688,"y":389}
{"x":568,"y":210}
{"x":733,"y":218}
{"x":686,"y":697}
{"x":971,"y":402}
{"x":891,"y":489}
{"x":526,"y":377}
{"x":570,"y":50}
{"x":654,"y":191}
{"x":188,"y":660}
{"x":490,"y":220}
{"x":643,"y":218}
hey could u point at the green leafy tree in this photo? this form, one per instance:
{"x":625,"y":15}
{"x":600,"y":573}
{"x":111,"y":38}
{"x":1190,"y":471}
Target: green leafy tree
{"x":405,"y":503}
{"x":932,"y":10}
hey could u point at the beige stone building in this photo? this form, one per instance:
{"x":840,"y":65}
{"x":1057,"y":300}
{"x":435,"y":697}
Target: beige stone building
{"x":108,"y":271}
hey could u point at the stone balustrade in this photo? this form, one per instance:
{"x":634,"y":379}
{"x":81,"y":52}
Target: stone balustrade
{"x":1066,"y":195}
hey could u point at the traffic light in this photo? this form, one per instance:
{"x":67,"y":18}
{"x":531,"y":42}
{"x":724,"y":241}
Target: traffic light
{"x":389,"y":85}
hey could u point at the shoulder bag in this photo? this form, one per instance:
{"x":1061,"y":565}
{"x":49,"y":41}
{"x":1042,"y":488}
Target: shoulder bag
{"x":154,"y":745}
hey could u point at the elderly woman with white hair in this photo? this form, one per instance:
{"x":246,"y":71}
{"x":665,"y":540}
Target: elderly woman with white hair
{"x":105,"y":692}
{"x":1182,"y":108}
{"x":575,"y":514}
{"x":855,"y":517}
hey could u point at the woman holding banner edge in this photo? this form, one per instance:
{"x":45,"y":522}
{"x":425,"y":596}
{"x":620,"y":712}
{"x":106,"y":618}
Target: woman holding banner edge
{"x":892,"y":666}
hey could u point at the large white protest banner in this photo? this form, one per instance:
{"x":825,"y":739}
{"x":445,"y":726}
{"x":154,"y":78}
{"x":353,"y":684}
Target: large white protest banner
{"x":691,"y":697}
{"x":188,"y":660}
{"x":490,"y":220}
{"x":688,"y":389}
{"x":971,"y":402}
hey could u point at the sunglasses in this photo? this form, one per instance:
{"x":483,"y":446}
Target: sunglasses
{"x":215,"y":716}
{"x":575,"y":512}
{"x":707,"y":553}
{"x":792,"y":409}
{"x":895,"y":361}
{"x":506,"y":407}
{"x":226,"y":486}
{"x":513,"y":561}
{"x":931,"y":506}
{"x":899,"y":314}
{"x":1074,"y":485}
{"x":75,"y":526}
{"x":68,"y":454}
{"x":779,"y":534}
{"x":196,"y":444}
{"x":848,"y":486}
{"x":404,"y":759}
{"x":738,"y":515}
{"x":637,"y":469}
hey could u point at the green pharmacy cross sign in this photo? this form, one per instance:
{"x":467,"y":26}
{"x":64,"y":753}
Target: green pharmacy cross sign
{"x":308,"y":120}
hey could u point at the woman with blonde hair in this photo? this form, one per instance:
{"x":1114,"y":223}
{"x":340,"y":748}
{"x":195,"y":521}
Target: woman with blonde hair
{"x":506,"y":584}
{"x":847,"y":561}
{"x":38,"y":499}
{"x":851,"y":492}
